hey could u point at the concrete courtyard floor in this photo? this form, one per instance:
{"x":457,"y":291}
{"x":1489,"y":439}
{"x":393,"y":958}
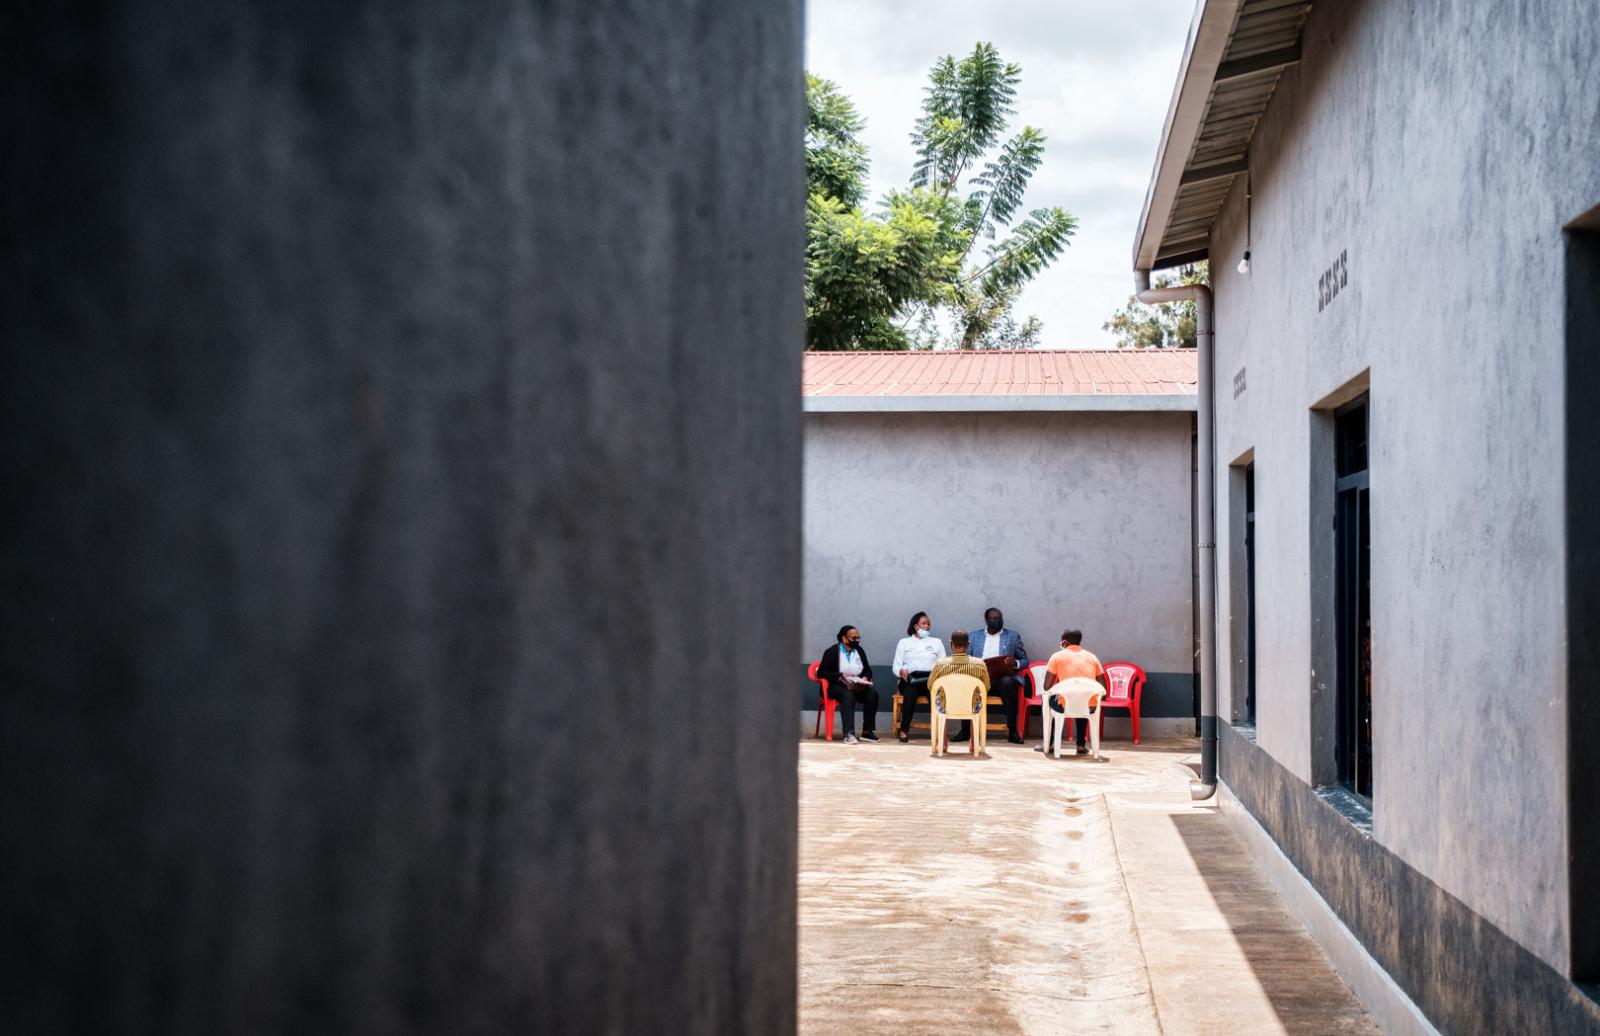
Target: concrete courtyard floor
{"x":1023,"y":894}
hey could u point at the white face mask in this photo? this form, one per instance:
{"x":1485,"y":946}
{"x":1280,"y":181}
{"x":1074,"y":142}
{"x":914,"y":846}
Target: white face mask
{"x":922,"y":632}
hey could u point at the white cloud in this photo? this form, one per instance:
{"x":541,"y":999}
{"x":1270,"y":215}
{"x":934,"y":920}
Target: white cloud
{"x":1096,"y":78}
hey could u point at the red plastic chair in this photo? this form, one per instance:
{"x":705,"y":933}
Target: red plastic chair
{"x":1127,"y":684}
{"x":827,"y":704}
{"x":1034,"y":675}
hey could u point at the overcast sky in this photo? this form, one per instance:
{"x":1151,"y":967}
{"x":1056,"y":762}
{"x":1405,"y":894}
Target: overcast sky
{"x":1096,"y":79}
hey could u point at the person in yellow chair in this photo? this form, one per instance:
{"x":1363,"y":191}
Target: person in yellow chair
{"x":958,"y":661}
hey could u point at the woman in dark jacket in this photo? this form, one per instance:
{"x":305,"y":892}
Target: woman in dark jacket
{"x":849,"y":675}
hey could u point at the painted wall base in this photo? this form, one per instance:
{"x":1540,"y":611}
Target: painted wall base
{"x":1117,"y":728}
{"x":1395,"y":1012}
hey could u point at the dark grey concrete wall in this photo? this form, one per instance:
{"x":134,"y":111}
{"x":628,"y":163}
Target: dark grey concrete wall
{"x":380,"y":382}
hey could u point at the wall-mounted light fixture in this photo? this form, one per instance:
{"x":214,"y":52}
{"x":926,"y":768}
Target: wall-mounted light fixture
{"x":1244,"y":264}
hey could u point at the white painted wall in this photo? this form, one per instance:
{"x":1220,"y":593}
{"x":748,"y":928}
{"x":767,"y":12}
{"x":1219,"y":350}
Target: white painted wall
{"x":1057,"y":518}
{"x":1441,"y":146}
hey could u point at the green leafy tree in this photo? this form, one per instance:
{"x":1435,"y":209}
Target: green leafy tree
{"x":1166,"y":325}
{"x":912,"y":274}
{"x":966,"y":109}
{"x":862,"y":271}
{"x":836,"y":160}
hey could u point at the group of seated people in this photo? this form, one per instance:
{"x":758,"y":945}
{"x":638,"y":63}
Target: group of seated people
{"x":995,"y":657}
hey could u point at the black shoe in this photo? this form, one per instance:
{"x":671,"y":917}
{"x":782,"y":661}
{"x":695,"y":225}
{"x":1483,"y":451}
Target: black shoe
{"x":965,"y":735}
{"x":1015,"y":739}
{"x":867,"y":735}
{"x":1083,"y":749}
{"x":904,"y":737}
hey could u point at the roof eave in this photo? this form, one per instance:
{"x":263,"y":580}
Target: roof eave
{"x":1209,"y":35}
{"x":1101,"y":402}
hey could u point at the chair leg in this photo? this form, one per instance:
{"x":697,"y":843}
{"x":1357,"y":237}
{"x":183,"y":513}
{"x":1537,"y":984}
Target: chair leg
{"x":831,"y":706}
{"x":1134,"y":712}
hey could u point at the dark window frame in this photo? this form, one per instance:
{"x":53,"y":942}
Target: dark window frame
{"x":1353,"y":597}
{"x":1582,"y":476}
{"x":1250,"y":591}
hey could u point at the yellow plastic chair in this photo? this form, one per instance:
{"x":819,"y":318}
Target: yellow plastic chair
{"x":958,"y":696}
{"x":1081,"y":696}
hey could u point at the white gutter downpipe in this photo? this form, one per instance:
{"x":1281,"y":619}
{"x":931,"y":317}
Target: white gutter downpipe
{"x":1206,"y":525}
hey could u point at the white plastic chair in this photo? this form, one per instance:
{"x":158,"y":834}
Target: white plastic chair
{"x":958,"y":696}
{"x":1081,"y":697}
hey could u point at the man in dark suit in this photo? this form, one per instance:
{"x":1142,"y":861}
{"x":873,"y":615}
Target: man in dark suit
{"x":997,"y":642}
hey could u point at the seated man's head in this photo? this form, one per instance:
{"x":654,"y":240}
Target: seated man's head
{"x":1071,"y":638}
{"x":994,"y":620}
{"x":958,"y":641}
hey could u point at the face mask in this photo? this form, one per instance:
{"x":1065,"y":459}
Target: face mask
{"x":852,"y":644}
{"x":921,"y":632}
{"x":995,"y":625}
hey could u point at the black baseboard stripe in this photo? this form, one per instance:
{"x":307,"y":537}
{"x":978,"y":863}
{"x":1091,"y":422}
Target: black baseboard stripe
{"x":1166,"y":695}
{"x":1465,"y":974}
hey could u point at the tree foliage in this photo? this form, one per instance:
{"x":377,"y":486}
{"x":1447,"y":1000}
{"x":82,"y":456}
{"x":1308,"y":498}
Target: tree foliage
{"x":912,"y":273}
{"x":1166,"y":325}
{"x":836,"y":160}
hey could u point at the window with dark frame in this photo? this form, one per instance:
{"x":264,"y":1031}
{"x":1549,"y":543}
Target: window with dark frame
{"x":1583,"y":591}
{"x":1353,"y":598}
{"x":1250,"y":592}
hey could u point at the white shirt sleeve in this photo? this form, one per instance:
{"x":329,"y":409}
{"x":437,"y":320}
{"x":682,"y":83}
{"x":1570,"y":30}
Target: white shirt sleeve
{"x":849,"y":663}
{"x":900,"y":653}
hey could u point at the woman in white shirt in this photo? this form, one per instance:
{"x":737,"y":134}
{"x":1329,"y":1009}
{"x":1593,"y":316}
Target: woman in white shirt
{"x":913,"y":660}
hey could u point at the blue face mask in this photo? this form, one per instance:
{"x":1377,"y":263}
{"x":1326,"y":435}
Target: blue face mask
{"x":921,"y":632}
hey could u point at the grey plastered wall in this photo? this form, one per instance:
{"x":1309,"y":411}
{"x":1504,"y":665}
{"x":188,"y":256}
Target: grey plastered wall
{"x":395,"y":396}
{"x":1441,"y":146}
{"x":1056,"y":518}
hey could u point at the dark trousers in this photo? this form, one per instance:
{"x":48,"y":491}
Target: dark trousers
{"x":1007,"y":689}
{"x":1082,"y":725}
{"x":848,"y":697}
{"x":911,"y":688}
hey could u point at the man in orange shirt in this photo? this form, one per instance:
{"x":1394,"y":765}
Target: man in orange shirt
{"x":1072,"y":660}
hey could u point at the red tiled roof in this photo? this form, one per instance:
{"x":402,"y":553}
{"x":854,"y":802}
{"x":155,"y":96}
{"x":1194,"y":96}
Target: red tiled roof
{"x":1002,"y":372}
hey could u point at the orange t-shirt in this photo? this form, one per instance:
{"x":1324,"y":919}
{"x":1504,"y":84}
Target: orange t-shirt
{"x":1073,"y":661}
